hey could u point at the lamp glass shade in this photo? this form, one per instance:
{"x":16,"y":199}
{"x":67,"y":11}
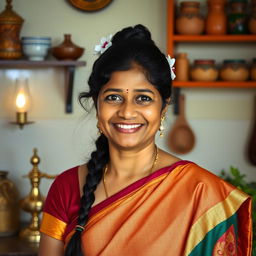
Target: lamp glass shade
{"x":22,"y":95}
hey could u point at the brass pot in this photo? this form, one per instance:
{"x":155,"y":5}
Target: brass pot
{"x":9,"y":206}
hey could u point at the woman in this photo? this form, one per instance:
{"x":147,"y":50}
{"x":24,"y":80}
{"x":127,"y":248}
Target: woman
{"x":132,"y":198}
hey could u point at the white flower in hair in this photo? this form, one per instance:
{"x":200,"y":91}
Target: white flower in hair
{"x":105,"y":43}
{"x":171,"y":62}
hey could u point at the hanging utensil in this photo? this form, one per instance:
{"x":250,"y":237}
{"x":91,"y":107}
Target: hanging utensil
{"x":181,"y":137}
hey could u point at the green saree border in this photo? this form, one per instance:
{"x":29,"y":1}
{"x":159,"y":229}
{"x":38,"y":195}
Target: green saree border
{"x":206,"y":246}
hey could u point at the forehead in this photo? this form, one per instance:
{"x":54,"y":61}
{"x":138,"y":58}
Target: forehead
{"x":129,"y":79}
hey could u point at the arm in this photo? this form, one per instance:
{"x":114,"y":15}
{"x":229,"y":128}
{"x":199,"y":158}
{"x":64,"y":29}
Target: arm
{"x":50,"y":246}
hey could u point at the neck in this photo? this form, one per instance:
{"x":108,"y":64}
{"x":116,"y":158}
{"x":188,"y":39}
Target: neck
{"x":127,"y":164}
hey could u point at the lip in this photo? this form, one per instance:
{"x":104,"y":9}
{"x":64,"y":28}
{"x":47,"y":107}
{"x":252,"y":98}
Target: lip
{"x":127,"y":127}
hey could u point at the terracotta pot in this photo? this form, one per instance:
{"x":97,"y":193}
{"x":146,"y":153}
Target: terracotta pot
{"x":252,"y":20}
{"x":234,"y":70}
{"x":182,"y":67}
{"x":253,"y":70}
{"x":10,"y":27}
{"x":67,"y":50}
{"x":216,"y":21}
{"x":189,"y":21}
{"x":204,"y":70}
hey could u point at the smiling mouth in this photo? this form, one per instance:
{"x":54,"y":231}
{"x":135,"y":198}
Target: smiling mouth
{"x":127,"y":128}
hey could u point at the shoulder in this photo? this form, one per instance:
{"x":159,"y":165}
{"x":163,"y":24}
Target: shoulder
{"x":204,"y":180}
{"x":63,"y":193}
{"x":67,"y":175}
{"x":189,"y":170}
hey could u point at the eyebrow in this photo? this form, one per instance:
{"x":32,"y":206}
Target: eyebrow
{"x":120,"y":90}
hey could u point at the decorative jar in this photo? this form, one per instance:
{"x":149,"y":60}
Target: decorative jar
{"x":216,"y":20}
{"x":182,"y":67}
{"x":189,"y":20}
{"x":252,"y":19}
{"x":234,"y":70}
{"x":67,"y":50}
{"x":9,"y":206}
{"x":253,"y":70}
{"x":204,"y":70}
{"x":237,"y":17}
{"x":10,"y":27}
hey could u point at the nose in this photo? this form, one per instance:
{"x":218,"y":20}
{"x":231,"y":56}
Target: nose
{"x":127,"y":111}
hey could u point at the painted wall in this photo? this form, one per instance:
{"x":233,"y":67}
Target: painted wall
{"x":220,"y":118}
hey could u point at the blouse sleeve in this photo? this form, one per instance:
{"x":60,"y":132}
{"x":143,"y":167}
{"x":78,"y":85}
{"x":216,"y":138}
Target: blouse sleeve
{"x":56,"y":211}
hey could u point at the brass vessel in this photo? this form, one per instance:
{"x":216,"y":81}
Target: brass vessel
{"x":9,"y":207}
{"x":10,"y":27}
{"x":33,"y":203}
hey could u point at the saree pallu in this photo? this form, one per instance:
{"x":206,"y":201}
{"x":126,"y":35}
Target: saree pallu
{"x":177,"y":210}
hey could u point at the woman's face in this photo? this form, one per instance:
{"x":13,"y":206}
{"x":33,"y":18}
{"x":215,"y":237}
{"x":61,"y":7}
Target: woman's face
{"x":129,"y":109}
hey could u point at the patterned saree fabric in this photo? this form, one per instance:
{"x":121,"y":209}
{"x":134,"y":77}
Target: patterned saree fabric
{"x":178,"y":210}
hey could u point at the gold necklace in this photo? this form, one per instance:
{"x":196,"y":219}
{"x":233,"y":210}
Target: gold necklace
{"x":106,"y":169}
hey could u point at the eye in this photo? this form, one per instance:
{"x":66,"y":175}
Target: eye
{"x":143,"y":99}
{"x":113,"y":98}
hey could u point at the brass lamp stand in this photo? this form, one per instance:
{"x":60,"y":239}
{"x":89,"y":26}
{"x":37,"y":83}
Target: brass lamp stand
{"x":33,"y":203}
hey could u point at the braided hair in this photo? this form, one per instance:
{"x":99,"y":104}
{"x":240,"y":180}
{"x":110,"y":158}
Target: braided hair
{"x":132,"y":45}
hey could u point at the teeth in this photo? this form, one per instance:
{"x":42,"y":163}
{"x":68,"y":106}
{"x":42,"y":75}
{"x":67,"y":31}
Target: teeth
{"x":128,"y":126}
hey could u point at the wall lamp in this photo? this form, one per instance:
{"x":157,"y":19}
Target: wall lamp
{"x":22,"y":102}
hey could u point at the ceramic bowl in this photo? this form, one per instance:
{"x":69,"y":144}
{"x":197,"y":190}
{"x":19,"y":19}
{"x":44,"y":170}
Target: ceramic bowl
{"x":36,"y":39}
{"x":35,"y":51}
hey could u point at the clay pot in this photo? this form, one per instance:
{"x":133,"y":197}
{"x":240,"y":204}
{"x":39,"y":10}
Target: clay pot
{"x":204,"y":70}
{"x":67,"y":50}
{"x":10,"y":27}
{"x":9,"y":206}
{"x":216,"y":21}
{"x":252,"y":20}
{"x":182,"y":67}
{"x":234,"y":70}
{"x":253,"y":70}
{"x":189,"y":21}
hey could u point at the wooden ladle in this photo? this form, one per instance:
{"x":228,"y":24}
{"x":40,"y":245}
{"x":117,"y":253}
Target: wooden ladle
{"x":181,"y":137}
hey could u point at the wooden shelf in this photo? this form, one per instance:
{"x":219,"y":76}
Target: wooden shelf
{"x":215,"y":38}
{"x":36,"y":64}
{"x":69,"y":67}
{"x":215,"y":84}
{"x":174,"y":39}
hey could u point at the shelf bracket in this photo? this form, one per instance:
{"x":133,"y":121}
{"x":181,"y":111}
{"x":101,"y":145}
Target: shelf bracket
{"x":70,"y":70}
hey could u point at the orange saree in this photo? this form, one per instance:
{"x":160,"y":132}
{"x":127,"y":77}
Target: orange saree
{"x":181,"y":210}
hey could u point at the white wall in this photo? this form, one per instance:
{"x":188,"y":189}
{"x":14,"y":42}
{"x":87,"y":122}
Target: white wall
{"x":221,"y":118}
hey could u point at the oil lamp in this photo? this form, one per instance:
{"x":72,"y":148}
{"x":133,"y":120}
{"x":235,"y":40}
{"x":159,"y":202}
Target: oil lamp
{"x":33,"y":202}
{"x":22,"y":102}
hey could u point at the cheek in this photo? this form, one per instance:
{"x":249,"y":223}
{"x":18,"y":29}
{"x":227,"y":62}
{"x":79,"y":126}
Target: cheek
{"x":153,"y":113}
{"x":104,"y":113}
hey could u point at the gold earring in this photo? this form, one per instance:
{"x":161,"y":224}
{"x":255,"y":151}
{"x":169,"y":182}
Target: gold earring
{"x":99,"y":130}
{"x":161,"y":128}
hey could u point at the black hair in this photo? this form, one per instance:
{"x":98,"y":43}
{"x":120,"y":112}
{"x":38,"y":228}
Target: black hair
{"x":130,"y":46}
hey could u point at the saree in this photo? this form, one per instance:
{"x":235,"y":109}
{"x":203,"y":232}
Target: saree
{"x":181,"y":209}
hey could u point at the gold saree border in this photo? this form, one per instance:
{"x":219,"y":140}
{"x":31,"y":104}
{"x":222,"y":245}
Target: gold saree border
{"x":215,"y":215}
{"x":52,"y":226}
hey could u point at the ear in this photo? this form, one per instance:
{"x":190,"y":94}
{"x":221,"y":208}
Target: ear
{"x":168,"y":102}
